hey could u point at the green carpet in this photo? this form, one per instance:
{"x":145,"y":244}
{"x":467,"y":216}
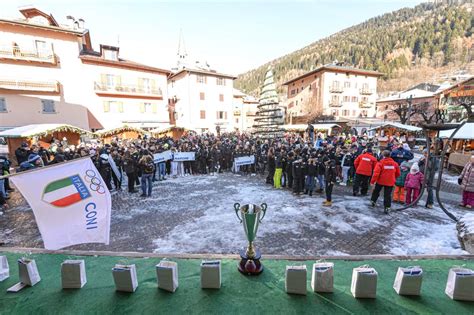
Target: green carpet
{"x":239,"y":294}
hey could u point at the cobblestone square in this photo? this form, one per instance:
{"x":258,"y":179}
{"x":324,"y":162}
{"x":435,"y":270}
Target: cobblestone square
{"x":195,"y":214}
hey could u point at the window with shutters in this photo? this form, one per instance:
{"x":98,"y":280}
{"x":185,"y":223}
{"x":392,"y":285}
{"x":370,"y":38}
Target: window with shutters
{"x":200,"y":79}
{"x":110,"y":81}
{"x":347,"y":84}
{"x":148,"y":107}
{"x":202,"y":96}
{"x":3,"y":105}
{"x":203,"y":114}
{"x":221,"y":97}
{"x":355,"y":99}
{"x":220,"y":81}
{"x":346,"y":99}
{"x":113,"y":107}
{"x":221,"y":115}
{"x":48,"y":106}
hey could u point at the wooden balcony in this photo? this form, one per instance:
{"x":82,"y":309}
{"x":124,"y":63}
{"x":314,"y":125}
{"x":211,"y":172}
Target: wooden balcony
{"x":366,"y":105}
{"x":8,"y":53}
{"x":127,"y":91}
{"x":365,"y":91}
{"x":336,"y":89}
{"x":29,"y":85}
{"x":335,"y":104}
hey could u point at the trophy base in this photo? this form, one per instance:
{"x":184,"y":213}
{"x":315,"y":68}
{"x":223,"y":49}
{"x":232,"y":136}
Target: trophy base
{"x":250,"y":266}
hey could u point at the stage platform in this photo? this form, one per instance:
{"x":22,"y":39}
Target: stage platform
{"x":239,"y":294}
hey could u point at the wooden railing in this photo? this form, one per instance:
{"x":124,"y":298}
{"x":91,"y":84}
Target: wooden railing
{"x":335,"y":104}
{"x":366,"y":91}
{"x":17,"y":53}
{"x":336,"y":89}
{"x":132,"y":89}
{"x":365,"y":104}
{"x":29,"y":85}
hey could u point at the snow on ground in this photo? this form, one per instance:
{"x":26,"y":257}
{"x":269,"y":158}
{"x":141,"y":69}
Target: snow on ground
{"x":301,"y":226}
{"x":195,"y":214}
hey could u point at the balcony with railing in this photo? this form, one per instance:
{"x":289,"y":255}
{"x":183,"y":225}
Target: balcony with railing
{"x":27,"y":85}
{"x":15,"y":53}
{"x":127,"y":90}
{"x":336,"y":89}
{"x":364,"y":104}
{"x":366,"y":91}
{"x":334,"y":103}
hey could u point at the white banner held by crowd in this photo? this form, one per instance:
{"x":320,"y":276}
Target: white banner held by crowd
{"x":70,"y":201}
{"x":184,"y":156}
{"x":162,"y":157}
{"x":114,"y":167}
{"x":244,"y":160}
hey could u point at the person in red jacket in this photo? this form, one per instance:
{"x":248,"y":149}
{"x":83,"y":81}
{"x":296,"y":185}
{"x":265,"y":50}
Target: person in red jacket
{"x":364,"y":165}
{"x":385,"y":175}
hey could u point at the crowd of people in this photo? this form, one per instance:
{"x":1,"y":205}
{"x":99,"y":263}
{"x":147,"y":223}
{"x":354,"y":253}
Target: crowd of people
{"x":303,"y":163}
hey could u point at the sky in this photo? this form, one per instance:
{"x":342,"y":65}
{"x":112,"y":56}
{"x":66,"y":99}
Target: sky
{"x":233,"y":36}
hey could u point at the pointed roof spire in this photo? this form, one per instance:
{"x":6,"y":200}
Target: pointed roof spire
{"x":182,"y":54}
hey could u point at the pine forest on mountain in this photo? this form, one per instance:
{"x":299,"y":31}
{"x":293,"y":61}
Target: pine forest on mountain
{"x":409,"y":46}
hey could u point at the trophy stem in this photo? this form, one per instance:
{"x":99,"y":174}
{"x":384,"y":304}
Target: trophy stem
{"x":250,"y":251}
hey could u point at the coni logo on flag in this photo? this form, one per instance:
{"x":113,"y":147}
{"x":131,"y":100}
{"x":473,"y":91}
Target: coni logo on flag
{"x":70,"y":190}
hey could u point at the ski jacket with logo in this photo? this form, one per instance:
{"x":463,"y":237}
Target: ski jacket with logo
{"x":386,"y":172}
{"x":364,"y":164}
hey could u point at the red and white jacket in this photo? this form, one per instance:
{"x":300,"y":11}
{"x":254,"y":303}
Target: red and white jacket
{"x":386,"y":172}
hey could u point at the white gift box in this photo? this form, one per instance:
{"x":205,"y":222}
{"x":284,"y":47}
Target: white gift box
{"x":28,"y":271}
{"x":364,"y":282}
{"x":73,"y":274}
{"x":408,"y":281}
{"x":211,"y":274}
{"x":167,"y":275}
{"x":322,"y":279}
{"x":295,"y":280}
{"x":460,"y":285}
{"x":4,"y":268}
{"x":125,"y":278}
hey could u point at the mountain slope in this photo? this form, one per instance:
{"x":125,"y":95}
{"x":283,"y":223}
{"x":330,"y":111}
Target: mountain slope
{"x":437,"y":36}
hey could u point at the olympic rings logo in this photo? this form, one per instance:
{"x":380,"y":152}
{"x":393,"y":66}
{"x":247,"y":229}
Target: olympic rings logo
{"x":94,"y":182}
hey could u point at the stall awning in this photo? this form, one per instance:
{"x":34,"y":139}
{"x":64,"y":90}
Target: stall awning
{"x":466,"y":132}
{"x":38,"y":130}
{"x":397,"y":126}
{"x":118,"y":129}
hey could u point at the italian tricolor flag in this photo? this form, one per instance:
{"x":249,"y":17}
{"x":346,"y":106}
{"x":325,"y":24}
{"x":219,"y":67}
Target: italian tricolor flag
{"x":65,"y":192}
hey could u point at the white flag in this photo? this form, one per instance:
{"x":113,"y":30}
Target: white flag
{"x":70,"y":201}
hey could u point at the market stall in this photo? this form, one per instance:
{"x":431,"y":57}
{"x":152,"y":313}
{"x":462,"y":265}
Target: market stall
{"x":326,"y":129}
{"x":42,"y":134}
{"x":404,"y":133}
{"x":121,"y":133}
{"x":171,"y":131}
{"x":462,"y":146}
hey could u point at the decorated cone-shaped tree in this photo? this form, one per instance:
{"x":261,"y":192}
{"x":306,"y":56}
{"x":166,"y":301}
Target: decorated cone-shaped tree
{"x":269,"y":121}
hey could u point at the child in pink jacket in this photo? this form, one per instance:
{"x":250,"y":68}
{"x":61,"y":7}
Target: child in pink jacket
{"x":413,"y":184}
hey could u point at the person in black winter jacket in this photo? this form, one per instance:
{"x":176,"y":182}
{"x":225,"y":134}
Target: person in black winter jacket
{"x":289,"y":169}
{"x":330,"y":176}
{"x":311,"y":172}
{"x":298,"y":176}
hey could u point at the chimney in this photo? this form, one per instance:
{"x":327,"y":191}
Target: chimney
{"x":81,"y":23}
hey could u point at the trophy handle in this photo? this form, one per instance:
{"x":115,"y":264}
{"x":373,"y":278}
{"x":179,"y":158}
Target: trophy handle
{"x":237,"y":209}
{"x":264,"y":209}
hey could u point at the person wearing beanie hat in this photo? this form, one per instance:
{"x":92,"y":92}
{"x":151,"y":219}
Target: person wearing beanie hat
{"x":413,"y":183}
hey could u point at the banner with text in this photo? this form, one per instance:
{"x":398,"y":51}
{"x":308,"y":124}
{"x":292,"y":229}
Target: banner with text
{"x":244,"y":160}
{"x":70,"y":201}
{"x":162,"y":157}
{"x":183,"y":156}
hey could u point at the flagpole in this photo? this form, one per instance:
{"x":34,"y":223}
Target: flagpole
{"x":43,"y":168}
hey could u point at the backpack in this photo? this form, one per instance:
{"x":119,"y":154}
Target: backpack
{"x":149,"y":167}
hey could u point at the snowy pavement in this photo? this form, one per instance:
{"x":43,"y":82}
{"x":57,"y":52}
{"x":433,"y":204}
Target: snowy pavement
{"x":195,"y":214}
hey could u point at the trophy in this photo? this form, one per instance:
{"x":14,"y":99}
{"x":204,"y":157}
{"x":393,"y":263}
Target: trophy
{"x":250,"y":216}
